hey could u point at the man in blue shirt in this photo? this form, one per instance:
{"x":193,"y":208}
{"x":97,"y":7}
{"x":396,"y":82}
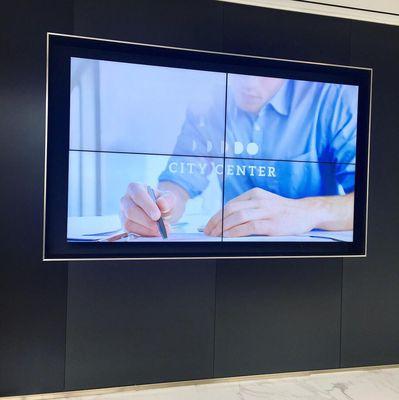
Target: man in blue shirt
{"x":290,"y":148}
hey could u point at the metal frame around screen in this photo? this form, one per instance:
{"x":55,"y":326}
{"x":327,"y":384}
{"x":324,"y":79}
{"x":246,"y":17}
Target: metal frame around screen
{"x":100,"y":258}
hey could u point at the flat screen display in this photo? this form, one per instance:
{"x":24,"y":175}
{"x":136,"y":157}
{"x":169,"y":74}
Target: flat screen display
{"x":158,"y":152}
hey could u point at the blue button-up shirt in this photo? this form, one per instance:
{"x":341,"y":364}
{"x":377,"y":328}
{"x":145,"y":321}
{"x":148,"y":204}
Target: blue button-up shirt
{"x":301,"y":143}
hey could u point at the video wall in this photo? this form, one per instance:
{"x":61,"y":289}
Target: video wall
{"x":172,"y":154}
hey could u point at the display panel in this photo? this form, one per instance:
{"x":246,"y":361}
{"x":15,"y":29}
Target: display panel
{"x":176,"y":153}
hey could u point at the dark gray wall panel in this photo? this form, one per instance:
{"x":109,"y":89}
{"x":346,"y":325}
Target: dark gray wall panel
{"x":275,"y":33}
{"x":144,"y":322}
{"x":139,"y":322}
{"x":277,"y":315}
{"x":371,"y":285}
{"x":180,"y":23}
{"x":32,"y":293}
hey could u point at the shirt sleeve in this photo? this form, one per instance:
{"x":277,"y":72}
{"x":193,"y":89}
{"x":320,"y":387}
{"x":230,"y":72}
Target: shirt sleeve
{"x":191,"y":173}
{"x":342,"y":146}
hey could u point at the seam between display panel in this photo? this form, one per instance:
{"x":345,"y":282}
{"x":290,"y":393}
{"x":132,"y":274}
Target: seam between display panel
{"x":214,"y":319}
{"x":66,"y":323}
{"x":224,"y":154}
{"x":216,"y":260}
{"x":341,"y":314}
{"x":213,"y":157}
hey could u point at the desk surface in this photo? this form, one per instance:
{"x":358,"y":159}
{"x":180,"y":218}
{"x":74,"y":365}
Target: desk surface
{"x":95,"y":228}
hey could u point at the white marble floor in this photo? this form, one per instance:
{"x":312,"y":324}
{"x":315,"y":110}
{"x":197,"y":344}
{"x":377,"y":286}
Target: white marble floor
{"x":370,"y":384}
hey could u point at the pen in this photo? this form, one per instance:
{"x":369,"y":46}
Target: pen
{"x":160,"y":223}
{"x":115,"y":237}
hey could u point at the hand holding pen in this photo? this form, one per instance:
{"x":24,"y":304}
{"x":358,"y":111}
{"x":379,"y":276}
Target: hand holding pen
{"x":145,"y":211}
{"x":160,"y":222}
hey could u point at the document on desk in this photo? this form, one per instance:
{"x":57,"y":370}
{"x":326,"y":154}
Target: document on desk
{"x":177,"y":237}
{"x":95,"y":228}
{"x":313,"y":236}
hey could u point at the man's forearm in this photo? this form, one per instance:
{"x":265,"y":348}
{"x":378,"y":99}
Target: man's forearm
{"x":181,"y":198}
{"x":332,"y":213}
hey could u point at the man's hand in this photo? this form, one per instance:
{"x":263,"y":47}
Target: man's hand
{"x":139,"y":212}
{"x":259,"y":212}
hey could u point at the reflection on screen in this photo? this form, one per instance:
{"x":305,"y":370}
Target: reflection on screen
{"x":229,"y":157}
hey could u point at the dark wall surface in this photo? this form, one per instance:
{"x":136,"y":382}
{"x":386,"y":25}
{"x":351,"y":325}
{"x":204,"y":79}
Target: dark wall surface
{"x":370,"y":324}
{"x":66,"y":326}
{"x":139,"y":322}
{"x":32,"y":294}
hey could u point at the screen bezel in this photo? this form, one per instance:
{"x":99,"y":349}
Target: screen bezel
{"x":60,"y":49}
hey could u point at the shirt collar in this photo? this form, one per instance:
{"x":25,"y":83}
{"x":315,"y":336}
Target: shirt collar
{"x":281,"y":102}
{"x":282,"y":99}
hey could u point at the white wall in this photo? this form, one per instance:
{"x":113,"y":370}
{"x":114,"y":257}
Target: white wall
{"x":335,"y":8}
{"x":391,"y":6}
